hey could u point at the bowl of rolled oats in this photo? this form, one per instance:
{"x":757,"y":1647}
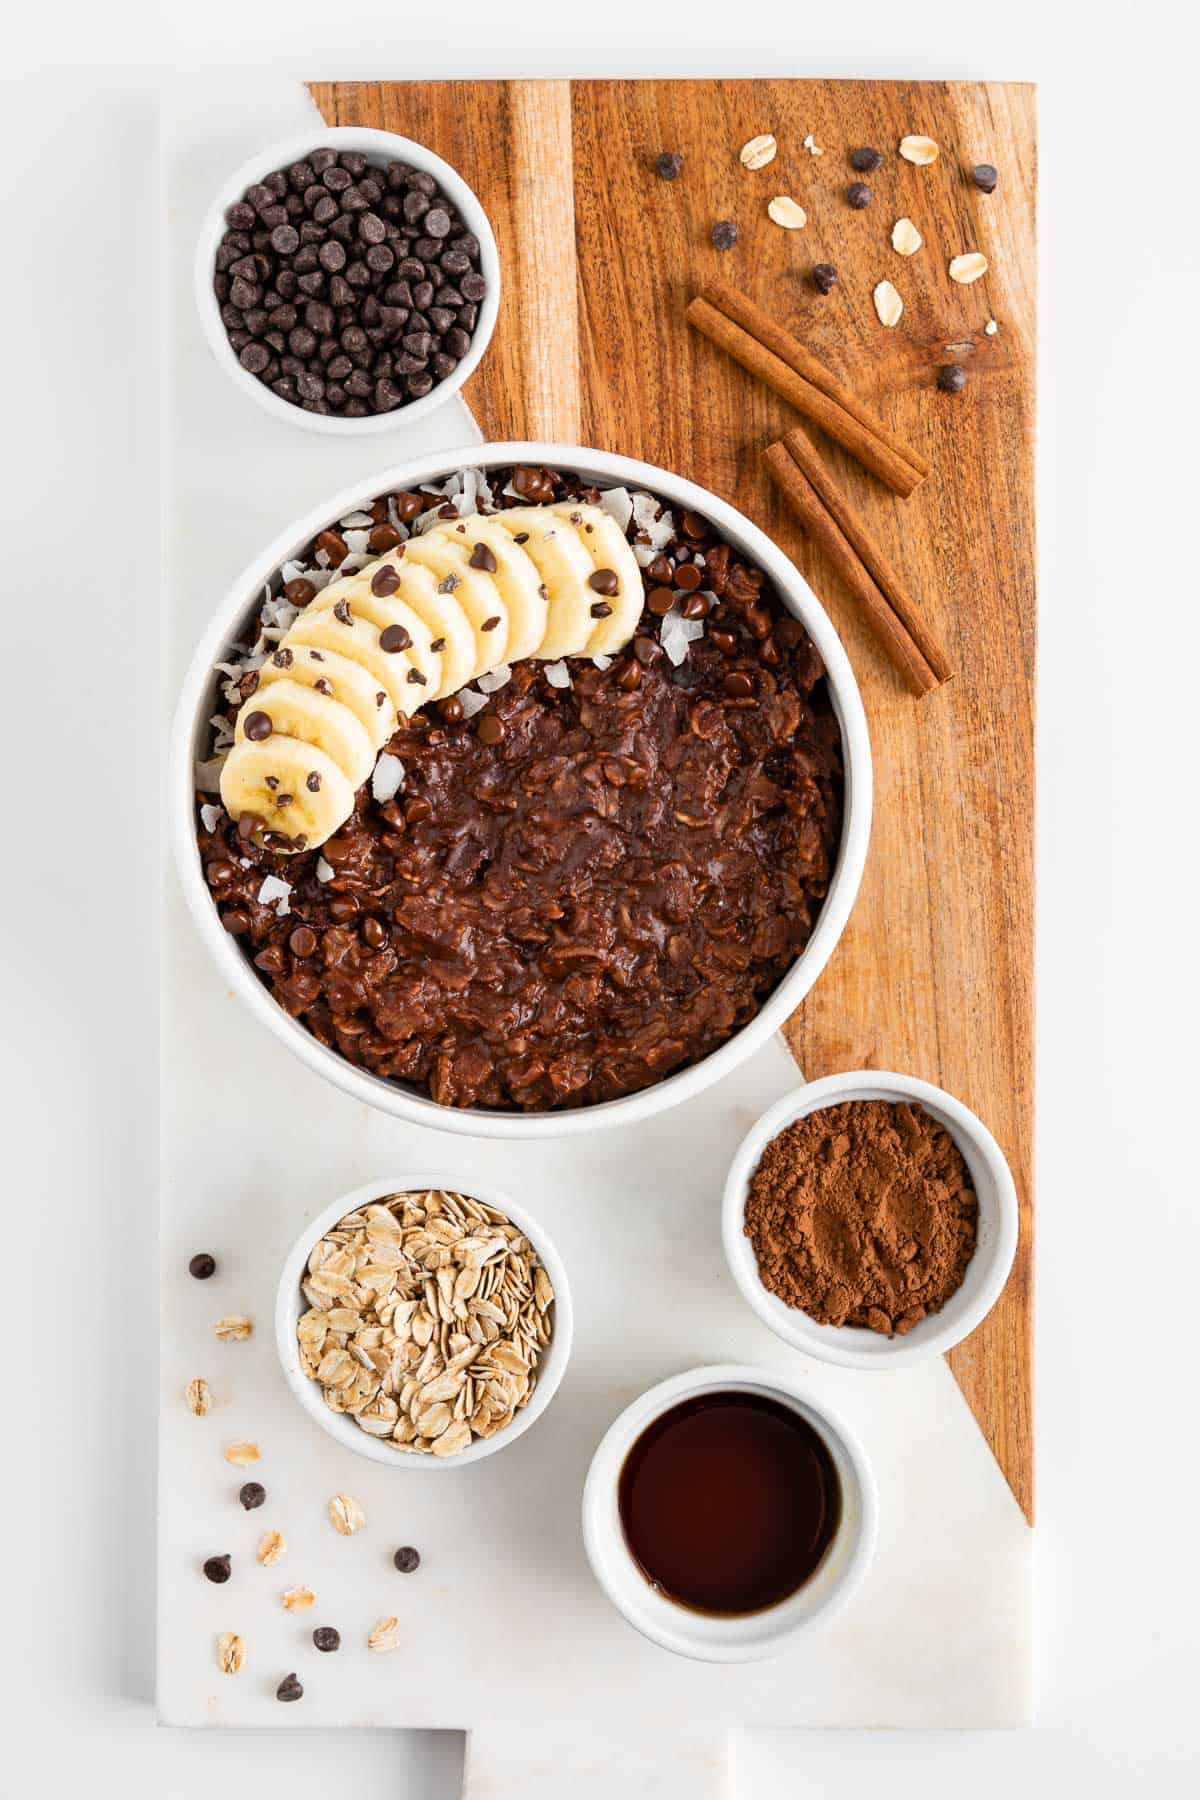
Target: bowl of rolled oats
{"x":424,"y":1323}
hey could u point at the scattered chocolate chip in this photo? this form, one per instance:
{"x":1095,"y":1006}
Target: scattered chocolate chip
{"x":327,"y":1637}
{"x":688,"y":577}
{"x":385,"y":580}
{"x":394,"y":638}
{"x":866,"y":160}
{"x":313,"y":779}
{"x":725,"y":234}
{"x":490,"y":729}
{"x":601,"y":610}
{"x":660,"y":572}
{"x":660,"y":600}
{"x":484,"y":557}
{"x":303,"y":941}
{"x":299,"y":592}
{"x":668,"y":164}
{"x":290,"y":1688}
{"x":218,"y":1568}
{"x":203,"y":1265}
{"x":985,"y":177}
{"x":824,"y":278}
{"x":451,"y":710}
{"x":695,"y":607}
{"x":407,"y":1559}
{"x":258,"y":727}
{"x":415,"y":678}
{"x":858,"y":194}
{"x":604,"y":581}
{"x":952,"y":378}
{"x":490,"y":624}
{"x":252,"y":1495}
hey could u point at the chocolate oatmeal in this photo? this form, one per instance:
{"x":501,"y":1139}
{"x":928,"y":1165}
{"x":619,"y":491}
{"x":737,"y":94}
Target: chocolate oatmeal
{"x":562,"y":889}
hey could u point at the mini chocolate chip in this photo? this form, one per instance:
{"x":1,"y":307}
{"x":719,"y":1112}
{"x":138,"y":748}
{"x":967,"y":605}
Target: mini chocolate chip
{"x":438,"y":644}
{"x":417,"y":810}
{"x":725,"y":234}
{"x":313,"y":779}
{"x":952,"y":378}
{"x":605,"y":581}
{"x":415,"y":677}
{"x":218,"y":1568}
{"x":258,"y":727}
{"x":660,"y":572}
{"x":866,"y":160}
{"x":724,"y":641}
{"x":859,"y":195}
{"x":688,"y":577}
{"x":824,"y":278}
{"x":290,"y":1688}
{"x":385,"y":580}
{"x":738,"y":685}
{"x":484,"y":557}
{"x":283,"y":659}
{"x":303,"y":941}
{"x":395,"y":637}
{"x":630,"y":677}
{"x":601,"y":610}
{"x":490,"y":624}
{"x":660,"y":600}
{"x":407,"y":1559}
{"x":646,"y":650}
{"x":203,"y":1265}
{"x":342,"y":613}
{"x":252,"y":1495}
{"x":327,"y":1637}
{"x":985,"y":177}
{"x":695,"y":607}
{"x":451,"y":710}
{"x":668,"y":164}
{"x":490,"y":729}
{"x":374,"y":933}
{"x":299,"y":592}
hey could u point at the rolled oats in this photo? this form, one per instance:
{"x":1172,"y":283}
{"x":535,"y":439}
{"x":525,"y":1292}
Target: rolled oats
{"x":241,"y":1453}
{"x":386,"y":1635}
{"x":920,"y":150}
{"x":346,"y":1515}
{"x":965,"y":269}
{"x":298,"y":1599}
{"x":199,"y":1396}
{"x":784,"y":211}
{"x":272,"y":1547}
{"x":231,"y":1652}
{"x":428,"y":1313}
{"x":233,"y":1329}
{"x":758,"y":152}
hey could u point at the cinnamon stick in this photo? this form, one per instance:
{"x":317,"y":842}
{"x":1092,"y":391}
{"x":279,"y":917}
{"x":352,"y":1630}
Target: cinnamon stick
{"x":836,"y":529}
{"x":771,"y":354}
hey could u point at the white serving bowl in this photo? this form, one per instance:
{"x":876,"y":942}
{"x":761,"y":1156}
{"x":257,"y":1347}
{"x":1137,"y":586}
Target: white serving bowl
{"x":380,"y":147}
{"x":290,"y":1303}
{"x":853,"y":1346}
{"x":748,"y":1637}
{"x":198,"y":701}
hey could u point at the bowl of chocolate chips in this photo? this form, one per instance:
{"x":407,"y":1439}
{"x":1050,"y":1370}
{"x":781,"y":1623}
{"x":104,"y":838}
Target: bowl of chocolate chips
{"x":522,"y":792}
{"x":347,"y":281}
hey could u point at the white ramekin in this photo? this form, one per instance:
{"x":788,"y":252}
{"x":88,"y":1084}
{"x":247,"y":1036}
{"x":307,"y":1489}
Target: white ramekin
{"x":380,"y":147}
{"x":290,"y":1303}
{"x":703,"y":1636}
{"x":853,"y":1346}
{"x":198,"y":701}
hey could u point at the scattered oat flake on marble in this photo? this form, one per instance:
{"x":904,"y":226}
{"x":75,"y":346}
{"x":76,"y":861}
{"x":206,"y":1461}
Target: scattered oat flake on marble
{"x":888,"y":304}
{"x":298,"y":1599}
{"x":231,"y":1652}
{"x":758,"y":152}
{"x":346,"y":1515}
{"x":272,"y":1548}
{"x":386,"y":1635}
{"x":199,"y":1396}
{"x":241,"y":1452}
{"x":234,"y":1329}
{"x":968,"y":268}
{"x":919,"y":150}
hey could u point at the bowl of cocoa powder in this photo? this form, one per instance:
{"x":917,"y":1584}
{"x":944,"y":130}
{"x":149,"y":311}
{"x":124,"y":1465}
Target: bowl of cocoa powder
{"x":870,"y":1219}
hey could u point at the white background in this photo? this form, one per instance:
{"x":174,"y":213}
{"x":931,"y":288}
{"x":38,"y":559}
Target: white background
{"x":1119,"y":1245}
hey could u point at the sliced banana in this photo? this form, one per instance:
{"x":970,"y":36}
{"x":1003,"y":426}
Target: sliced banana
{"x":383,"y":611}
{"x":355,"y":637}
{"x":553,"y":546}
{"x":608,"y":548}
{"x":293,"y":787}
{"x":515,"y":575}
{"x":446,"y":620}
{"x":476,"y":592}
{"x":344,"y":680}
{"x":297,"y":711}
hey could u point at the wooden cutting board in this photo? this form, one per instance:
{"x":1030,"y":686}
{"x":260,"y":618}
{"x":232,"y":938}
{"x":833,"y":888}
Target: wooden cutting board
{"x":934,"y":975}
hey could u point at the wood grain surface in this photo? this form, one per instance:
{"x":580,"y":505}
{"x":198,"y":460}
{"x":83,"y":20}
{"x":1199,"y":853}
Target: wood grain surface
{"x":934,"y":974}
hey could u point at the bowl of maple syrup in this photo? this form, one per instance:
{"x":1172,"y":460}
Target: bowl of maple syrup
{"x":725,"y":1512}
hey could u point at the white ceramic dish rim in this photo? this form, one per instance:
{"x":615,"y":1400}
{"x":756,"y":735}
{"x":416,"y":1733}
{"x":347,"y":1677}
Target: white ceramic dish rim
{"x":850,"y":1346}
{"x":193,"y":711}
{"x":289,"y":1303}
{"x":755,"y":1636}
{"x":375,"y":144}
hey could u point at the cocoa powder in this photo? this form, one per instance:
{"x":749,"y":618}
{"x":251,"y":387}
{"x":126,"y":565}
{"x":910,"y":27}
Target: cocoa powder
{"x":863,"y":1214}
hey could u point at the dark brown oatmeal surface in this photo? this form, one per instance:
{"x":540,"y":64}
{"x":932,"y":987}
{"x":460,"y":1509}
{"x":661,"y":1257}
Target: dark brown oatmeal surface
{"x":581,"y":889}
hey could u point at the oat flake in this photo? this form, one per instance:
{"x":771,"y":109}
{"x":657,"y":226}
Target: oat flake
{"x":919,"y":150}
{"x":968,"y":268}
{"x":758,"y":152}
{"x":888,"y":304}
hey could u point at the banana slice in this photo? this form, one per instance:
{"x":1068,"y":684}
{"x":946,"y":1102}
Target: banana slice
{"x":294,"y":788}
{"x":515,"y":575}
{"x":344,"y":680}
{"x":609,"y":549}
{"x":359,"y":641}
{"x":553,"y":546}
{"x":447,"y":622}
{"x":384,"y":611}
{"x":297,"y":711}
{"x":475,"y":591}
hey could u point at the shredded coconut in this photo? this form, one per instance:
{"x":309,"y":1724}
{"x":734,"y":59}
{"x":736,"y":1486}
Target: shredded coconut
{"x":211,"y":816}
{"x":617,"y":503}
{"x":498,"y":678}
{"x":471,"y":702}
{"x":353,"y":520}
{"x":208,"y":774}
{"x":557,"y":674}
{"x":324,"y":871}
{"x":275,"y":888}
{"x":388,"y":778}
{"x":658,"y":531}
{"x":677,"y":633}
